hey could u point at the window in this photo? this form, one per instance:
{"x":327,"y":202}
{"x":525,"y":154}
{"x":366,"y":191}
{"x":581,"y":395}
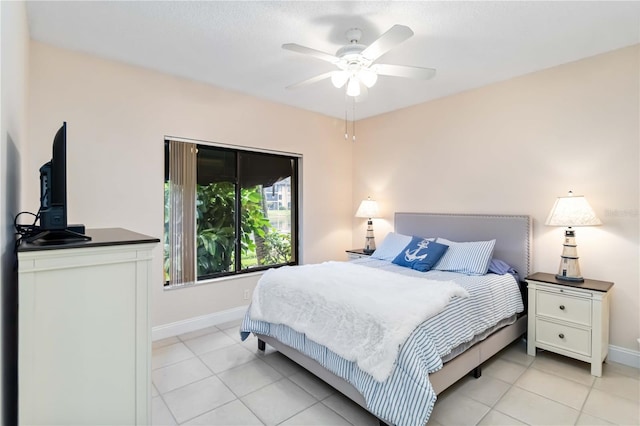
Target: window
{"x":227,"y":211}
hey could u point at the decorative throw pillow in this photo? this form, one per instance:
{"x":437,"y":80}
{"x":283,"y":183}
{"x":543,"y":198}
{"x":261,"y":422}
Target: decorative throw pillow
{"x":500,"y":267}
{"x":471,"y":258}
{"x":420,"y":254}
{"x":391,"y":245}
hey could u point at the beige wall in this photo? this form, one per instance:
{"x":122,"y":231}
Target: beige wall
{"x":117,"y":118}
{"x":14,"y":66}
{"x":513,"y":147}
{"x":510,"y":147}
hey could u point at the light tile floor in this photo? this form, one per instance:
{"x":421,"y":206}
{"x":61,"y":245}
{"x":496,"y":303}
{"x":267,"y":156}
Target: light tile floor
{"x":210,"y":377}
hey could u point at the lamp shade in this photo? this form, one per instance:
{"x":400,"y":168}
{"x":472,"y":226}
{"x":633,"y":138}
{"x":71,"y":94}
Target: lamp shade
{"x":572,"y":210}
{"x":368,"y":208}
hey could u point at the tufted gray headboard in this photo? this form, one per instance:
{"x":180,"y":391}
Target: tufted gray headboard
{"x":512,"y":233}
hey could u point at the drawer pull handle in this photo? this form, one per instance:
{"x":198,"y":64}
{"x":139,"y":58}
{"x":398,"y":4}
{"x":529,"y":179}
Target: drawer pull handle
{"x":562,"y":307}
{"x":561,"y":336}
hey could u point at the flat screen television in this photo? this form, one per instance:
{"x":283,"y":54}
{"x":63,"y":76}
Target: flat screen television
{"x":53,"y":228}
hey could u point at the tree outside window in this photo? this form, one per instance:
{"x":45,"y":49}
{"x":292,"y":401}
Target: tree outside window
{"x":245,"y":212}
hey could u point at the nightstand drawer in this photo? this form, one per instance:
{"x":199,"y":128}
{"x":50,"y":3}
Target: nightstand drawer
{"x":563,"y":336}
{"x":563,"y":307}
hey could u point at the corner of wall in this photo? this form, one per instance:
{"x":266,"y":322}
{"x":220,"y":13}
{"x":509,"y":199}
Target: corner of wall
{"x":13,"y":80}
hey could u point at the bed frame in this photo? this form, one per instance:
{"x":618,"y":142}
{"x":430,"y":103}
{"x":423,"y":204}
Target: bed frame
{"x":513,"y":245}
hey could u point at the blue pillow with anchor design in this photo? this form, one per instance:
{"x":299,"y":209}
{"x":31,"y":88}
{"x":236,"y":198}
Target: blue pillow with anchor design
{"x":421,"y":254}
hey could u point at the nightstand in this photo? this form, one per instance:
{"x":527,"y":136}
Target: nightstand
{"x":569,"y":318}
{"x":357,"y":254}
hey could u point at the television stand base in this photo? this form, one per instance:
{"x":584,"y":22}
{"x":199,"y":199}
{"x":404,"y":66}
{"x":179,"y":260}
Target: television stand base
{"x":58,"y":236}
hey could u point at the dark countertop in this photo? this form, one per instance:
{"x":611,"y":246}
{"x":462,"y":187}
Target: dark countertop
{"x":358,"y":251}
{"x":99,"y":237}
{"x":586,"y":284}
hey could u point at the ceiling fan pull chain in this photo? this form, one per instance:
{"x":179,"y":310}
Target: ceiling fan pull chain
{"x":346,"y":134}
{"x":353,"y":123}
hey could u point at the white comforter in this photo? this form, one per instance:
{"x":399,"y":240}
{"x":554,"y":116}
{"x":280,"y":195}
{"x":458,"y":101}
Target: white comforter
{"x":362,"y":314}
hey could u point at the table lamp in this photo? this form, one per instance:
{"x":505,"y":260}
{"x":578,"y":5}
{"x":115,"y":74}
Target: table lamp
{"x":572,"y":210}
{"x":368,"y":209}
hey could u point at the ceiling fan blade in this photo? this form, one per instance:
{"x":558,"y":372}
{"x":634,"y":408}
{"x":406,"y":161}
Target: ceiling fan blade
{"x":312,"y":52}
{"x":310,"y":80}
{"x":393,"y":37}
{"x":404,"y":71}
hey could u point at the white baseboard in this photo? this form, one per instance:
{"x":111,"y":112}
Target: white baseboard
{"x":624,"y":356}
{"x":196,"y":323}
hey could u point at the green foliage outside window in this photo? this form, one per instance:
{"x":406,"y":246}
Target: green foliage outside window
{"x":260,"y":243}
{"x":277,"y":248}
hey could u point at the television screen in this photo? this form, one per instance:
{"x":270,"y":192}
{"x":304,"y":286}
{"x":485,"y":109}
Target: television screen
{"x":53,"y":185}
{"x":52,"y":214}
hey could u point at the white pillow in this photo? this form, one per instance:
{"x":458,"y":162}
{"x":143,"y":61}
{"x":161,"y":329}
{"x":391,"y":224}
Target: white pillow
{"x":391,"y":246}
{"x":471,"y":258}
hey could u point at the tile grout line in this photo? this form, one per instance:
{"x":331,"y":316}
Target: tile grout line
{"x":168,"y":409}
{"x":251,"y":411}
{"x":279,"y":380}
{"x":191,"y":383}
{"x":511,"y":385}
{"x":585,"y":401}
{"x":304,"y":409}
{"x":255,"y":390}
{"x":177,"y":362}
{"x":552,"y":400}
{"x":196,"y":381}
{"x":341,"y":416}
{"x":213,"y":374}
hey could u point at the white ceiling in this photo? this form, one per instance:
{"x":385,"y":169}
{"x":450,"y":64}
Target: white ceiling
{"x":237,"y":45}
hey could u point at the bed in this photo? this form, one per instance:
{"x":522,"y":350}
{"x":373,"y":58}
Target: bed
{"x":396,"y":401}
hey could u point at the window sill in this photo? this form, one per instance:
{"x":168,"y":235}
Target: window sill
{"x":214,"y":280}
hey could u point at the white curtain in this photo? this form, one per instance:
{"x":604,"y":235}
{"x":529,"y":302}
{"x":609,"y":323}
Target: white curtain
{"x":182,"y":215}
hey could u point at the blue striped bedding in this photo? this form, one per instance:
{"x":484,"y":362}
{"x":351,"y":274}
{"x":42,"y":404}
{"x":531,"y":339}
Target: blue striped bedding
{"x":406,"y":398}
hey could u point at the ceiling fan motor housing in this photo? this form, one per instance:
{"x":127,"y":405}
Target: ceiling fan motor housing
{"x":351,"y":54}
{"x":350,"y":51}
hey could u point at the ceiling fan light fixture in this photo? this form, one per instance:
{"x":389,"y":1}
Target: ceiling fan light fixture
{"x":368,"y":77}
{"x":353,"y":87}
{"x":339,"y":78}
{"x":357,"y":63}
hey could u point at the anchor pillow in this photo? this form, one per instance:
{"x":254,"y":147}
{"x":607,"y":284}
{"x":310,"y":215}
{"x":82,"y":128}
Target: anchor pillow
{"x":421,"y":254}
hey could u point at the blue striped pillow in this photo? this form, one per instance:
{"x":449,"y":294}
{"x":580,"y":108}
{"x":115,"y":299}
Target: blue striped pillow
{"x":471,"y":258}
{"x":391,"y":246}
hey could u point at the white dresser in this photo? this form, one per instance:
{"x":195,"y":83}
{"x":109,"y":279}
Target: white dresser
{"x":84,"y":347}
{"x":569,"y":318}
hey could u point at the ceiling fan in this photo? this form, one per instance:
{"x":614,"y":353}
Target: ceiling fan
{"x":356,"y":62}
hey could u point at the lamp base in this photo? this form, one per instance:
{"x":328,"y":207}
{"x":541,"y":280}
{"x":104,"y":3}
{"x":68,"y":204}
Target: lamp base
{"x":566,"y":278}
{"x":370,"y":241}
{"x":569,"y":266}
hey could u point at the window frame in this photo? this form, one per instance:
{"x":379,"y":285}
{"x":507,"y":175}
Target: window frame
{"x":295,"y":212}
